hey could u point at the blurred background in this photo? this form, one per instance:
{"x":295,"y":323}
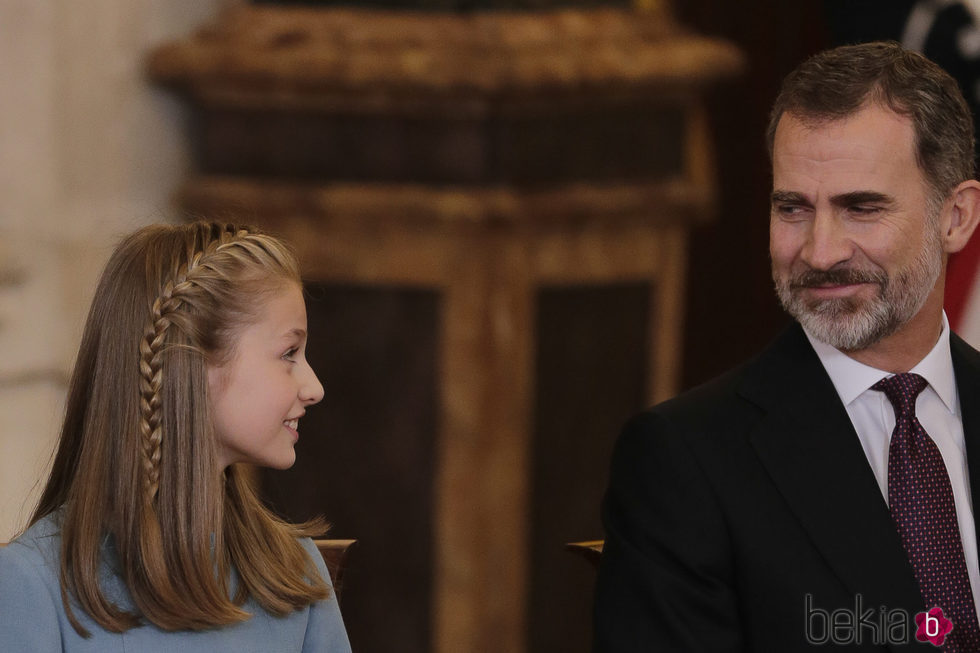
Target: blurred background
{"x":521,"y":221}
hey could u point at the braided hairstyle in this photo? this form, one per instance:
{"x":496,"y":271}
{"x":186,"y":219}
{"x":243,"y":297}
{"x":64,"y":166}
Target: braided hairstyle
{"x":137,"y":458}
{"x":151,"y":371}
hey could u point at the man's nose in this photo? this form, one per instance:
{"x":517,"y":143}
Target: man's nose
{"x":828,"y":242}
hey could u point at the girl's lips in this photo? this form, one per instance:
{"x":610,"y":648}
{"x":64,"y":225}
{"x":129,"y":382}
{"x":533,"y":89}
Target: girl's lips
{"x":292,"y":425}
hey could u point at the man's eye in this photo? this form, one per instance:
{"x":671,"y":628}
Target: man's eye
{"x":789,"y":210}
{"x":864,"y":210}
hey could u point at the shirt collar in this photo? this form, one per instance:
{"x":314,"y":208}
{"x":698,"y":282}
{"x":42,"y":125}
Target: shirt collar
{"x":852,"y":378}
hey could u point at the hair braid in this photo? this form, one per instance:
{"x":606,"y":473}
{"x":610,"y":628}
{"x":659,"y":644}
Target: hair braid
{"x":151,"y":370}
{"x":152,"y":347}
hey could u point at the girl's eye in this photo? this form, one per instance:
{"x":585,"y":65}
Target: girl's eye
{"x":290,"y":354}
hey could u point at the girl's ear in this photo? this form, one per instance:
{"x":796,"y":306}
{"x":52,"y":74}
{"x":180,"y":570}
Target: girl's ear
{"x":962,"y":215}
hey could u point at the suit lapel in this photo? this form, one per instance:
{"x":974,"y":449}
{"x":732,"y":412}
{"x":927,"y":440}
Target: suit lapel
{"x":966,"y":367}
{"x":809,"y":447}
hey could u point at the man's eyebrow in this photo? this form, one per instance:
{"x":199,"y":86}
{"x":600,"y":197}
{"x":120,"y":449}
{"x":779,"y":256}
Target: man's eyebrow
{"x":861,"y":197}
{"x":787,"y":196}
{"x":843,"y":199}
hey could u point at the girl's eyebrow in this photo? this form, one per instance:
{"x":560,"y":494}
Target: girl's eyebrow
{"x":299,"y":333}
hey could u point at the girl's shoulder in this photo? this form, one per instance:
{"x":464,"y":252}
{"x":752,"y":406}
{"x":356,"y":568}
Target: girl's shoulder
{"x":40,"y":543}
{"x":30,"y":595}
{"x":31,"y":563}
{"x":44,"y":528}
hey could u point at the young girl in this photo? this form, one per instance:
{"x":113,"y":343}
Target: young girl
{"x":147,"y":537}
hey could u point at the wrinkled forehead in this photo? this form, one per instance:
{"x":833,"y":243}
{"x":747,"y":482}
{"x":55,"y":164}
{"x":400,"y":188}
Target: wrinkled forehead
{"x":874,"y":144}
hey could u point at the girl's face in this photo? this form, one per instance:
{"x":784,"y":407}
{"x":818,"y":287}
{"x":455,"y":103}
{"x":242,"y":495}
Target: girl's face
{"x":258,"y":396}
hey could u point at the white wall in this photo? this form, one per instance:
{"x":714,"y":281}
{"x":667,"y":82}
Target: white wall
{"x":88,"y":151}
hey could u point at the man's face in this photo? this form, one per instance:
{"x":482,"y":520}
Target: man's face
{"x":856,"y":249}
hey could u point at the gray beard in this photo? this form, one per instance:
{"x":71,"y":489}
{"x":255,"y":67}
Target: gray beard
{"x":850,"y":324}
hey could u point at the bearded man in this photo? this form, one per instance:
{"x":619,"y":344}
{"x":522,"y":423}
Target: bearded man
{"x":822,"y":493}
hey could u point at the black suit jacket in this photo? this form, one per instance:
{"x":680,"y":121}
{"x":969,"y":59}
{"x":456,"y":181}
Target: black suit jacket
{"x":740,"y":515}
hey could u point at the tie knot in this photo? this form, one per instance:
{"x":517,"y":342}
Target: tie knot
{"x":902,"y":390}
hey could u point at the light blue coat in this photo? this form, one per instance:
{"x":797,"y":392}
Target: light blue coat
{"x":32,"y":617}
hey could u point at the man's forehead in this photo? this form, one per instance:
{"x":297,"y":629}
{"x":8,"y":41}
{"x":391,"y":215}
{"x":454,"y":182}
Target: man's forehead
{"x":875,"y":143}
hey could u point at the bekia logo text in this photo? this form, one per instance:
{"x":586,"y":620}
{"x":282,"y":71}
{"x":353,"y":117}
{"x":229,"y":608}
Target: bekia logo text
{"x":882,"y":626}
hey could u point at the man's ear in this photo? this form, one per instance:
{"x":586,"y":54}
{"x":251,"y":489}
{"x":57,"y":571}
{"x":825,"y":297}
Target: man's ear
{"x":962,"y":214}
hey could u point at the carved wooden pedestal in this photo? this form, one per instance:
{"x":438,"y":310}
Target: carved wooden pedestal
{"x":486,"y":158}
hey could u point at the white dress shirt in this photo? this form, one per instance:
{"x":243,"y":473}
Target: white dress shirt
{"x":938,"y":410}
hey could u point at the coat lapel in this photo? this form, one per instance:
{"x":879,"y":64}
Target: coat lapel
{"x":966,"y":367}
{"x":809,"y":447}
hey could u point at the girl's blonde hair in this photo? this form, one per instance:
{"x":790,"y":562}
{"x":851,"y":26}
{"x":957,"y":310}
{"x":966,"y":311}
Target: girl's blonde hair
{"x":137,"y":459}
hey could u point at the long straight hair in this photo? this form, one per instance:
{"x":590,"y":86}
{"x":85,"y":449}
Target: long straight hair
{"x":137,"y":459}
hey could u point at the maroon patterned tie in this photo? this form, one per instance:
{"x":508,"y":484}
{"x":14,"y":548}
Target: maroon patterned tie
{"x":921,"y":502}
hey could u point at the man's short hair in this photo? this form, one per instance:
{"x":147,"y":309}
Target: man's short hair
{"x":837,"y":83}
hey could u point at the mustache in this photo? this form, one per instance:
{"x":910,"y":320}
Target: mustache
{"x":836,"y":277}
